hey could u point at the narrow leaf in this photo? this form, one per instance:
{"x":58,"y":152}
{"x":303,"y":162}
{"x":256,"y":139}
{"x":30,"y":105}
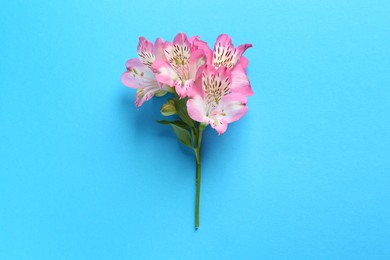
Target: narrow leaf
{"x":181,"y":130}
{"x":178,"y":123}
{"x":183,"y":135}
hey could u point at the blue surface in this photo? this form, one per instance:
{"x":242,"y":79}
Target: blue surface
{"x":304,"y":175}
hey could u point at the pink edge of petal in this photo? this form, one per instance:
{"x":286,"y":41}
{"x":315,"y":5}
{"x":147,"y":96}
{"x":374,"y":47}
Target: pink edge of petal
{"x":127,"y":80}
{"x":197,"y":57}
{"x":201,"y":45}
{"x":196,"y":89}
{"x":139,"y":101}
{"x":240,"y":82}
{"x":180,"y":90}
{"x":244,"y":62}
{"x":235,"y":99}
{"x":243,"y":47}
{"x":196,"y":110}
{"x":131,"y":63}
{"x":224,"y":39}
{"x":159,"y":49}
{"x":180,"y":38}
{"x":221,"y":127}
{"x":224,"y":72}
{"x":144,"y":45}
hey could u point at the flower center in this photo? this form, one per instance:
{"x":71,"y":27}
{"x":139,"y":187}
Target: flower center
{"x":179,"y":57}
{"x":215,"y":87}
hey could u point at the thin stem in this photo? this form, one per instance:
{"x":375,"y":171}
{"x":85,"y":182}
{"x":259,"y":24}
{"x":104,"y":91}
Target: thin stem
{"x":197,"y":144}
{"x":197,"y":200}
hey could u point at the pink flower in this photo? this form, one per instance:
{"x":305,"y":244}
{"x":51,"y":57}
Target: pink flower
{"x":184,"y":59}
{"x":213,"y":102}
{"x":139,"y":74}
{"x":225,"y":55}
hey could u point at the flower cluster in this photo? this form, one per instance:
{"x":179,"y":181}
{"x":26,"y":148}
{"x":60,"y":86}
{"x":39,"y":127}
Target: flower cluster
{"x":213,"y":83}
{"x":209,"y":87}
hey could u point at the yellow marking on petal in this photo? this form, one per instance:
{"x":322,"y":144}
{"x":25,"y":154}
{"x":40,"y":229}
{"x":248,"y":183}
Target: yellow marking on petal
{"x":140,"y":93}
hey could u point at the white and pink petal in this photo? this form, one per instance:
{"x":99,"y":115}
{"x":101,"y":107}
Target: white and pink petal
{"x":240,"y":81}
{"x":233,"y":107}
{"x":225,"y":54}
{"x":136,"y":74}
{"x":145,"y":52}
{"x":164,"y":73}
{"x":182,"y":87}
{"x":197,"y":109}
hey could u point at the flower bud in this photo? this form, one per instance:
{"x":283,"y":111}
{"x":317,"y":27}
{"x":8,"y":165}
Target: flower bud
{"x":168,"y":108}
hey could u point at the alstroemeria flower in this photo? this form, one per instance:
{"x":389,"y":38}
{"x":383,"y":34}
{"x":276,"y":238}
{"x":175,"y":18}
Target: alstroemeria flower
{"x":226,"y":55}
{"x":213,"y":102}
{"x":139,"y":74}
{"x":183,"y":60}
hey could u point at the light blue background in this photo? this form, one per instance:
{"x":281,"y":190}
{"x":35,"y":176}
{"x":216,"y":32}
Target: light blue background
{"x":304,"y":175}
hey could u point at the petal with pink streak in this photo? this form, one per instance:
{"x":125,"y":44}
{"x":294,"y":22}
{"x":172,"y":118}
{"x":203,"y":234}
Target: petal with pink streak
{"x":244,"y":62}
{"x":220,"y":125}
{"x":164,"y":73}
{"x":216,"y":83}
{"x":178,"y":54}
{"x":145,"y":52}
{"x":241,"y":49}
{"x":196,"y":108}
{"x":196,"y":61}
{"x":240,"y":81}
{"x":197,"y":44}
{"x":233,"y":106}
{"x":224,"y":40}
{"x":180,"y":39}
{"x":159,"y":49}
{"x":137,"y":75}
{"x":182,"y":88}
{"x":196,"y":89}
{"x":145,"y":94}
{"x":225,"y":54}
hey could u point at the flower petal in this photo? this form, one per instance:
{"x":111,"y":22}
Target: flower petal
{"x":197,"y":44}
{"x":178,"y":55}
{"x":233,"y":106}
{"x":182,"y":87}
{"x":196,"y":89}
{"x":225,"y":54}
{"x":137,"y":75}
{"x":244,"y":62}
{"x":240,"y":81}
{"x":197,"y":109}
{"x":219,"y":124}
{"x":195,"y":63}
{"x":146,"y":93}
{"x":159,"y":49}
{"x":142,"y":78}
{"x":145,"y":52}
{"x":216,"y":83}
{"x":164,"y":73}
{"x":180,"y":39}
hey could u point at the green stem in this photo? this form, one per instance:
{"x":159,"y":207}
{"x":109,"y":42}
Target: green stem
{"x":198,"y":140}
{"x":198,"y":166}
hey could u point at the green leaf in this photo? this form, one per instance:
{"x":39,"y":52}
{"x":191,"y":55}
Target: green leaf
{"x":181,"y":130}
{"x":183,"y":135}
{"x":179,"y":123}
{"x":181,"y":109}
